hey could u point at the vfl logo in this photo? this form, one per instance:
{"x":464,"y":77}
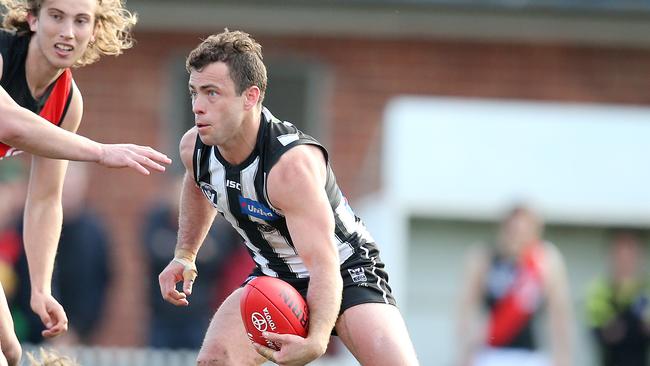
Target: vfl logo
{"x":209,"y":192}
{"x":358,"y":275}
{"x":256,"y":209}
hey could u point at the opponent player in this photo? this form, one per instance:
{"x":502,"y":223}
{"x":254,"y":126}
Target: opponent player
{"x":276,"y":187}
{"x":40,"y":41}
{"x":514,"y":280}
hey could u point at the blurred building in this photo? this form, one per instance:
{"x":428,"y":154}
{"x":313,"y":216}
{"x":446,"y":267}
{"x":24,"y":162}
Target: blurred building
{"x":334,"y":68}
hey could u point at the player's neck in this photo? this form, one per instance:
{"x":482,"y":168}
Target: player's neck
{"x":240,"y":147}
{"x":39,"y":72}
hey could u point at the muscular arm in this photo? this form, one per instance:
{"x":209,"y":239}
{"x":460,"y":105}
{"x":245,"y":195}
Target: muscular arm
{"x":196,"y":215}
{"x":296,"y":185}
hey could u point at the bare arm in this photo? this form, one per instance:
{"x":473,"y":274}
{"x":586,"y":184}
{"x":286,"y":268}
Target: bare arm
{"x":297,"y":187}
{"x":29,"y":132}
{"x":559,"y":307}
{"x":470,"y":322}
{"x":195,"y":218}
{"x":43,"y":219}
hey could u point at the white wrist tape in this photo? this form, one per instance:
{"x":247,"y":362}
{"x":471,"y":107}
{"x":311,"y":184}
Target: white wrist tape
{"x":189,"y":268}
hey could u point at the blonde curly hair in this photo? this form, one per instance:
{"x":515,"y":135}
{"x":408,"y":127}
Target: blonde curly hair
{"x":113,"y":24}
{"x":50,"y":358}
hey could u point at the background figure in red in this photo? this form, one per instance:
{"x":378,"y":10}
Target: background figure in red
{"x":504,"y":290}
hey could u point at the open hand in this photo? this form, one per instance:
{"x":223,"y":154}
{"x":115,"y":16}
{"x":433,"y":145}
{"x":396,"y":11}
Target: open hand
{"x":133,"y":156}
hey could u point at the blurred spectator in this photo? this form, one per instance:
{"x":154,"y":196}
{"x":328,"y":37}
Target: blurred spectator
{"x":504,"y":290}
{"x":618,"y":307}
{"x":81,"y":274}
{"x":183,"y":327}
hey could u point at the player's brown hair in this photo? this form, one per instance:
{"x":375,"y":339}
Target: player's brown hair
{"x":239,"y":51}
{"x":113,"y":24}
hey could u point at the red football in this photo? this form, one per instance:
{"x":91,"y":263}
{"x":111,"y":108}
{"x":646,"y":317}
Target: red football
{"x":269,"y":304}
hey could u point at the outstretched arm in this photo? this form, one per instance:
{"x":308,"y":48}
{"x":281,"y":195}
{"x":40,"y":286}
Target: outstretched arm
{"x":29,"y":132}
{"x":195,"y":218}
{"x":296,"y":185}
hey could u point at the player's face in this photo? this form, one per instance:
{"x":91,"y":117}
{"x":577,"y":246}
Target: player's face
{"x":519,"y":231}
{"x":63,"y":29}
{"x":218,"y":109}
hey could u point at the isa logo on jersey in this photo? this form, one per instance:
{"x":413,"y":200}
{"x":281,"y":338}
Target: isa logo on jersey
{"x":256,"y":209}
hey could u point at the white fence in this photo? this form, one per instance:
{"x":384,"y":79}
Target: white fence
{"x":114,"y":356}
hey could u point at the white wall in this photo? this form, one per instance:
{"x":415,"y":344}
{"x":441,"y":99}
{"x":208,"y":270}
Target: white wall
{"x":470,"y":159}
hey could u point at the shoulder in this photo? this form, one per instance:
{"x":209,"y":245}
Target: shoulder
{"x":554,"y":267}
{"x":298,"y":174}
{"x":186,"y":146}
{"x":77,"y":100}
{"x":553,"y":256}
{"x":298,"y":162}
{"x":74,"y":112}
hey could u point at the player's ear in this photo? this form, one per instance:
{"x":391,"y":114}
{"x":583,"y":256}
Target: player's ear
{"x":32,"y":20}
{"x":252,"y":97}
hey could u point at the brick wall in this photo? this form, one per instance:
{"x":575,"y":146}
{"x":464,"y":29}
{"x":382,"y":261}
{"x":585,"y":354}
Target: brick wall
{"x":123,"y":99}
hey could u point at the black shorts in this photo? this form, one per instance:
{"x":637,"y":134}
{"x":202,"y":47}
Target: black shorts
{"x":364,"y":280}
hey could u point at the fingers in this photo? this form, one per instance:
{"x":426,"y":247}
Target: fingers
{"x":146,"y":157}
{"x":150,"y":157}
{"x":157,"y":156}
{"x":277,"y":338}
{"x":55,"y":321}
{"x":167,"y":281}
{"x":187,"y":286}
{"x":266,"y":352}
{"x":189,"y":275}
{"x":146,"y":161}
{"x":135,"y":165}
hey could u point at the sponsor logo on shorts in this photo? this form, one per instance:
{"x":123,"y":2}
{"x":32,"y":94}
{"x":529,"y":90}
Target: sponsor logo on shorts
{"x":358,"y":274}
